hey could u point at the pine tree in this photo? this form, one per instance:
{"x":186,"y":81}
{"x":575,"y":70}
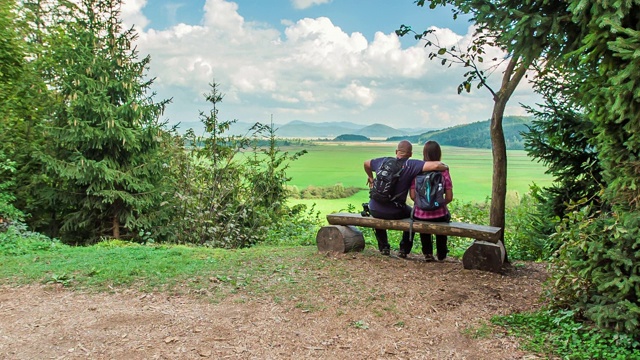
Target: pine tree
{"x":26,"y":103}
{"x":106,"y":136}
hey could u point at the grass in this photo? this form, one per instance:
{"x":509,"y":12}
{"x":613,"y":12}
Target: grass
{"x":557,"y":335}
{"x":471,"y":171}
{"x":258,"y":271}
{"x":295,"y":273}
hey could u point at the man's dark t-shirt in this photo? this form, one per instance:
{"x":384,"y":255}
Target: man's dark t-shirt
{"x":411,"y":169}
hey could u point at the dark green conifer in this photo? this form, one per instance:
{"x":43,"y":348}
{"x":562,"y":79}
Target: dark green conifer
{"x":104,"y":164}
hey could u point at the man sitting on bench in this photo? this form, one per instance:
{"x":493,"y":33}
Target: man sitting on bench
{"x":389,"y":189}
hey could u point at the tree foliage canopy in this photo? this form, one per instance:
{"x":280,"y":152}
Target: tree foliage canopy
{"x":106,"y":155}
{"x":593,"y":49}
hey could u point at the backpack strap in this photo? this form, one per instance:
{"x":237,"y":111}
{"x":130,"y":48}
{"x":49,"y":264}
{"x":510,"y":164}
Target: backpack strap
{"x":411,"y":218}
{"x":395,"y":197}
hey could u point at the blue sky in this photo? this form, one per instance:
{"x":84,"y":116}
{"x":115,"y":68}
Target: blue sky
{"x":310,"y":60}
{"x":365,"y":16}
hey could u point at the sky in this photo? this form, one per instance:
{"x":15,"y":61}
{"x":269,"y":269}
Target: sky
{"x":309,"y":60}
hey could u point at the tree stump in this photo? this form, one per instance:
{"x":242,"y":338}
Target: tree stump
{"x":338,"y":238}
{"x":486,"y":256}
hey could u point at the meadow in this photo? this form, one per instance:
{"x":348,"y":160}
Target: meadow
{"x":331,"y":163}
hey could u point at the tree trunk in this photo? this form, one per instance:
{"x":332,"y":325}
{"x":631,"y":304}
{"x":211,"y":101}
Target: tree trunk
{"x":338,"y":238}
{"x":485,"y":256}
{"x":512,"y":76}
{"x":499,"y":151}
{"x":116,"y":227}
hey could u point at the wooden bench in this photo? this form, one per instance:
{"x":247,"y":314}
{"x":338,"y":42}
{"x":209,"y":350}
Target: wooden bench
{"x":486,"y":253}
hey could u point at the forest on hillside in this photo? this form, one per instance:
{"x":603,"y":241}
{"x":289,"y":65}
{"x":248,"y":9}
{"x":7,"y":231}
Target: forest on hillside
{"x":476,"y":135}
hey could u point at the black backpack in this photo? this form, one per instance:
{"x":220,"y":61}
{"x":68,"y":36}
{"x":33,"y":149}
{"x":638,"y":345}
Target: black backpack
{"x":384,"y":185}
{"x":429,"y":190}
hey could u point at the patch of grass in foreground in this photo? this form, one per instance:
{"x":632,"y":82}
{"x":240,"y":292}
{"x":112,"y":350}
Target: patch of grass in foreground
{"x":259,"y":271}
{"x":557,"y":334}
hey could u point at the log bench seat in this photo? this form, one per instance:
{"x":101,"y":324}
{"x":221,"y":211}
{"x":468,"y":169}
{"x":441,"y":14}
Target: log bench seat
{"x":486,"y":253}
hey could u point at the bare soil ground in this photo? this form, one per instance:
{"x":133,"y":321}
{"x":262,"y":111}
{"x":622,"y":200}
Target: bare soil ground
{"x":413,"y":310}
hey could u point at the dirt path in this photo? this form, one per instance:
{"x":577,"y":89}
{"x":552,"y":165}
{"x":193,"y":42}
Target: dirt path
{"x":413,"y":310}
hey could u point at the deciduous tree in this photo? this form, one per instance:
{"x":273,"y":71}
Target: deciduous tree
{"x":504,"y":25}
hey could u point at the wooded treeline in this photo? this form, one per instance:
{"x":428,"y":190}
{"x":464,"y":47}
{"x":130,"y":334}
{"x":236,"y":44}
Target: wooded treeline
{"x":475,"y":135}
{"x":84,"y":155}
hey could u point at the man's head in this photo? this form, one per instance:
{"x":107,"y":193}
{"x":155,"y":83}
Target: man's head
{"x":404,"y":150}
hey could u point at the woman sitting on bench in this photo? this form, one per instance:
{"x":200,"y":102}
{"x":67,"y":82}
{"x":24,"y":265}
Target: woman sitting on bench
{"x":432,"y":152}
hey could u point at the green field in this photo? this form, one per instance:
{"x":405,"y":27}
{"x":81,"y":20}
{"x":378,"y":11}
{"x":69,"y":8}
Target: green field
{"x":471,"y":171}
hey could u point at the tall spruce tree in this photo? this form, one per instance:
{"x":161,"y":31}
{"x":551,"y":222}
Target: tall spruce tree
{"x":562,"y":139}
{"x":27,"y":107}
{"x":106,"y":137}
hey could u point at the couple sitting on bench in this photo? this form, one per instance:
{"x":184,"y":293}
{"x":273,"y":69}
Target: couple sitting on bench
{"x":395,"y":179}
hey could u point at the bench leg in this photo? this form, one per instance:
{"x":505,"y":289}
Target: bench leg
{"x":338,"y":238}
{"x":486,"y":256}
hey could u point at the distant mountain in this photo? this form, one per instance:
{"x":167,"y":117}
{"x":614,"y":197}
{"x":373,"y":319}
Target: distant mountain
{"x":475,"y":135}
{"x":351,"y":137}
{"x":379,"y":131}
{"x":300,"y":129}
{"x":339,"y":124}
{"x":237,"y":128}
{"x":304,"y":129}
{"x":416,"y":130}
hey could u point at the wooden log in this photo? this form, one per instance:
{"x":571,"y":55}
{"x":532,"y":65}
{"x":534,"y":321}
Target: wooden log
{"x":478,"y":232}
{"x":340,"y":239}
{"x":486,"y":256}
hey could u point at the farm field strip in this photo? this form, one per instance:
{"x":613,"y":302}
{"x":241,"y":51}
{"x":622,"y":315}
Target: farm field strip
{"x":471,"y":171}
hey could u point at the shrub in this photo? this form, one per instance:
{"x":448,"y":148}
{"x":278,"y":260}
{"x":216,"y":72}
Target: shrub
{"x":227,"y":191}
{"x":298,"y":228}
{"x":596,"y":273}
{"x":17,"y":240}
{"x":518,"y":239}
{"x":558,"y":334}
{"x":521,"y":238}
{"x":337,"y":191}
{"x":7,"y":211}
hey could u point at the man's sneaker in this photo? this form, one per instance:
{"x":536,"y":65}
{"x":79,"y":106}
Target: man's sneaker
{"x":386,"y":252}
{"x":402,"y":254}
{"x":429,"y":258}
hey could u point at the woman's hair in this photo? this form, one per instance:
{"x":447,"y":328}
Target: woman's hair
{"x":431,"y":151}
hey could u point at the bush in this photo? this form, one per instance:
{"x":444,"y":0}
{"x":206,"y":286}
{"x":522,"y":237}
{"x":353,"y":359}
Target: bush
{"x":518,"y":239}
{"x":298,"y":228}
{"x":558,"y":334}
{"x":17,"y":240}
{"x":7,"y":211}
{"x":337,"y":191}
{"x":596,"y":273}
{"x":521,"y":237}
{"x":227,"y":191}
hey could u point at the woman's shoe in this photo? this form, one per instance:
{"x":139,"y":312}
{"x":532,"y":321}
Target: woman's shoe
{"x":429,"y":258}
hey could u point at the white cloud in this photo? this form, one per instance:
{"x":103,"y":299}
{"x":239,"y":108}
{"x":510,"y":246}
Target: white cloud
{"x":303,"y":4}
{"x":312,"y":71}
{"x":358,"y":94}
{"x":131,"y":11}
{"x":222,"y":16}
{"x":172,"y":11}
